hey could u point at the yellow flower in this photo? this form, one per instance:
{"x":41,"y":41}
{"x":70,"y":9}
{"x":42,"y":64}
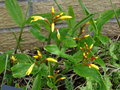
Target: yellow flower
{"x":53,"y":11}
{"x":62,"y":78}
{"x":57,"y":71}
{"x":83,"y":30}
{"x":58,"y":34}
{"x":50,"y":76}
{"x":52,"y":27}
{"x":87,"y":22}
{"x":65,"y":17}
{"x":91,"y":46}
{"x":39,"y":55}
{"x":51,"y":59}
{"x":59,"y":15}
{"x":36,"y":56}
{"x":13,"y":59}
{"x":84,"y":55}
{"x":30,"y":69}
{"x":93,"y":66}
{"x":35,"y":18}
{"x":75,"y":38}
{"x":85,"y":36}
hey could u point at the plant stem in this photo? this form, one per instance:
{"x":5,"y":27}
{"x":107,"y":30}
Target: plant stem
{"x":22,"y":28}
{"x":19,"y":39}
{"x":49,"y":38}
{"x":115,"y":13}
{"x":5,"y":69}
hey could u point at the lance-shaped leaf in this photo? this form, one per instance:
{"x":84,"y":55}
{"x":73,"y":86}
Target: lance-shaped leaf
{"x":35,"y":30}
{"x":85,"y":71}
{"x":83,"y":21}
{"x":37,"y":83}
{"x":52,"y":49}
{"x":15,"y":11}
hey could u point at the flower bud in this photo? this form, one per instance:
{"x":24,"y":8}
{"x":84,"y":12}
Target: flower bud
{"x":50,"y":76}
{"x":85,"y":36}
{"x":52,"y":27}
{"x":36,"y":18}
{"x":39,"y":53}
{"x":13,"y":59}
{"x":65,"y":17}
{"x":30,"y":69}
{"x":58,"y":34}
{"x":91,"y":46}
{"x":51,"y":59}
{"x":62,"y":78}
{"x":53,"y":11}
{"x":93,"y":66}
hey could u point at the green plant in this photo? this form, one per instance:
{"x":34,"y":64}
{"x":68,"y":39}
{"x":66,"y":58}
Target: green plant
{"x":72,"y":49}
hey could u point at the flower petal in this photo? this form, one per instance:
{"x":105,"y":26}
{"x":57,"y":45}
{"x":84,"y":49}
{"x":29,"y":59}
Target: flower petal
{"x":30,"y":69}
{"x":51,"y":59}
{"x":65,"y":17}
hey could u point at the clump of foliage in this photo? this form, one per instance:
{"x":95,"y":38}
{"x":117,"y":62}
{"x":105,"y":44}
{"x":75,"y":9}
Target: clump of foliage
{"x":71,"y":51}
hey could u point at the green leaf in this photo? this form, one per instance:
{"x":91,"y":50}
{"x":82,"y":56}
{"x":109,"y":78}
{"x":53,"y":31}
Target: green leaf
{"x":101,"y":63}
{"x":55,"y":50}
{"x":37,"y":83}
{"x":69,"y":43}
{"x":78,"y":56}
{"x":43,"y":70}
{"x":111,"y":50}
{"x":87,"y":12}
{"x":83,"y":21}
{"x":52,"y":49}
{"x":50,"y":84}
{"x":59,"y":6}
{"x":104,"y":17}
{"x":2,"y":62}
{"x":92,"y":73}
{"x":71,"y":22}
{"x":68,"y":57}
{"x":15,"y":11}
{"x":37,"y":34}
{"x":22,"y":58}
{"x":103,"y":39}
{"x":19,"y":70}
